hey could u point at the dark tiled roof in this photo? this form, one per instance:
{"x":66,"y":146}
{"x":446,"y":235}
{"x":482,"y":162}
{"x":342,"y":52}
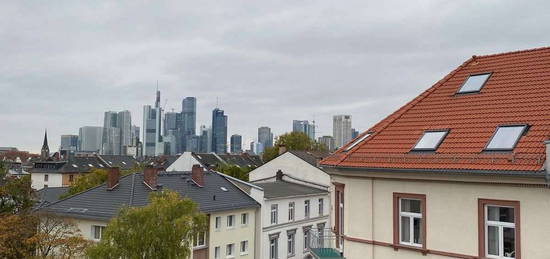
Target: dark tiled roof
{"x":123,"y":162}
{"x":161,"y":161}
{"x":49,"y":195}
{"x":73,"y":165}
{"x":208,"y":159}
{"x":517,"y":92}
{"x":99,"y":203}
{"x":312,"y":157}
{"x":242,"y":160}
{"x":281,"y":189}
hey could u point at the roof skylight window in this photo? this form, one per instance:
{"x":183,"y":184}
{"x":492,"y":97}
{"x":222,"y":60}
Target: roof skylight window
{"x":75,"y":166}
{"x":357,"y":142}
{"x":506,"y":137}
{"x":90,"y":165}
{"x":474,"y":83}
{"x":430,"y":140}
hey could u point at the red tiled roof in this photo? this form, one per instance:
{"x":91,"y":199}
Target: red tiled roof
{"x":518,"y":92}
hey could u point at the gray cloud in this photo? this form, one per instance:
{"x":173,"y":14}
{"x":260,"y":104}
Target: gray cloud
{"x":268,"y":62}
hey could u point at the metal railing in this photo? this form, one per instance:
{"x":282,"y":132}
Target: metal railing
{"x":322,"y":244}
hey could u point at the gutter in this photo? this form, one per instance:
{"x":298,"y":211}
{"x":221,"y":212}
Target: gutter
{"x":547,"y":164}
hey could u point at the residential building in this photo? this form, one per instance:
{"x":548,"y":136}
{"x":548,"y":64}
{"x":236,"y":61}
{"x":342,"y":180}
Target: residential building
{"x":265,"y":136}
{"x":328,"y":142}
{"x":152,"y":139}
{"x":90,"y":139}
{"x":236,"y":144}
{"x":305,"y":127}
{"x":232,"y":215}
{"x":341,"y":129}
{"x":59,"y":173}
{"x":219,"y":131}
{"x":449,"y":174}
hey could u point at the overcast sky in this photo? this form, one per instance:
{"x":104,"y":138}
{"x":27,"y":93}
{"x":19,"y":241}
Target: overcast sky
{"x":63,"y":65}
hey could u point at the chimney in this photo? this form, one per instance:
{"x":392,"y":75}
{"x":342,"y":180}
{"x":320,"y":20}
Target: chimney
{"x":547,"y":144}
{"x":279,"y":175}
{"x":282,"y":149}
{"x":150,"y":175}
{"x":197,"y":174}
{"x":113,"y":173}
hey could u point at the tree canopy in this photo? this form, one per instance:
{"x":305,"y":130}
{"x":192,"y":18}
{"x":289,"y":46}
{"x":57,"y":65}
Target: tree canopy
{"x":235,"y":171}
{"x":292,"y":141}
{"x":163,"y":229}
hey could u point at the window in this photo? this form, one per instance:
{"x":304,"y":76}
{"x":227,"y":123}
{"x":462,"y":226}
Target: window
{"x":430,"y":140}
{"x":216,"y":252}
{"x":321,"y":206}
{"x":97,"y":232}
{"x":339,"y":213}
{"x":199,"y":240}
{"x":506,"y":137}
{"x":474,"y":83}
{"x":273,"y":247}
{"x":499,"y":229}
{"x":244,"y":219}
{"x":306,"y":208}
{"x":274,"y":213}
{"x":218,"y":223}
{"x":45,"y":186}
{"x":357,"y":142}
{"x":230,"y":221}
{"x":71,"y":178}
{"x":230,"y":250}
{"x":409,"y":223}
{"x":291,"y":243}
{"x":46,"y":177}
{"x":306,"y":230}
{"x":291,"y":207}
{"x":244,"y":247}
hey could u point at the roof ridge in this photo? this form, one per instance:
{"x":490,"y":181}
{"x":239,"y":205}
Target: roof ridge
{"x":511,"y":52}
{"x":397,"y":114}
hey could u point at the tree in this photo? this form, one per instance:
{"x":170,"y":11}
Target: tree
{"x":16,"y":194}
{"x":235,"y":171}
{"x":292,"y":141}
{"x":16,"y":230}
{"x":163,"y":229}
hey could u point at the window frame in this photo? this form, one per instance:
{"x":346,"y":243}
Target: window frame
{"x":458,"y":92}
{"x":291,"y":243}
{"x":339,"y":201}
{"x":523,"y":132}
{"x":230,"y":250}
{"x":291,"y":211}
{"x":274,"y":215}
{"x":321,"y":206}
{"x":397,"y":197}
{"x":232,"y":221}
{"x":307,"y":209}
{"x":482,"y":205}
{"x":217,"y":252}
{"x":46,"y":177}
{"x":274,"y":246}
{"x":94,"y":232}
{"x":244,"y":219}
{"x":245,"y":251}
{"x":414,"y":149}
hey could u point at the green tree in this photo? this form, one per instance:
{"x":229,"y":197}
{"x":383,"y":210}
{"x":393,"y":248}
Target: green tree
{"x":235,"y":171}
{"x":163,"y":229}
{"x":16,"y":194}
{"x":92,"y":179}
{"x":292,"y":141}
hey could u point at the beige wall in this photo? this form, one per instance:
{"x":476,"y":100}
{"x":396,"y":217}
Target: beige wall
{"x":234,"y":235}
{"x":452,"y":215}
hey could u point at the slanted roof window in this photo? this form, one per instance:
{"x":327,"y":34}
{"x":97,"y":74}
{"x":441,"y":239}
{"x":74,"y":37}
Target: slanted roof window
{"x":474,"y":83}
{"x":357,"y":142}
{"x":430,"y":140}
{"x":506,"y":137}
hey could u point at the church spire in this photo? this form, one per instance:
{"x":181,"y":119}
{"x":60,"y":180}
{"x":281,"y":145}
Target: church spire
{"x":45,"y":151}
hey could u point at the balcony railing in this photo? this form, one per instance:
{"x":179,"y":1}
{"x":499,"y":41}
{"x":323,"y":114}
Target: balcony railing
{"x":322,"y":244}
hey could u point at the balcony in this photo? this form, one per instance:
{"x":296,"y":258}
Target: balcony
{"x":322,"y":244}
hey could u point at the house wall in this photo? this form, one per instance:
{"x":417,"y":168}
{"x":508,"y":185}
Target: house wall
{"x":291,"y":165}
{"x":283,"y":225}
{"x":184,"y":162}
{"x":85,"y":227}
{"x":54,"y":180}
{"x":451,"y":216}
{"x":234,"y":235}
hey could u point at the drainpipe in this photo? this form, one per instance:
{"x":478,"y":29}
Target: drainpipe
{"x":547,"y":176}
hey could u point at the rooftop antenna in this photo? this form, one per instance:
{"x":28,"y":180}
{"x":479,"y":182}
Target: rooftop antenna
{"x":217,"y":102}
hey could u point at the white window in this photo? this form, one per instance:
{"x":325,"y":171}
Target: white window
{"x":46,"y":178}
{"x":199,"y":240}
{"x":291,"y":244}
{"x":273,"y":247}
{"x":306,"y":208}
{"x":430,"y":140}
{"x":230,"y":221}
{"x":410,"y":222}
{"x":97,"y":232}
{"x":506,"y":137}
{"x":244,"y":247}
{"x":474,"y":83}
{"x":244,"y":219}
{"x":500,"y":232}
{"x":306,"y":237}
{"x":291,"y":207}
{"x":230,"y":250}
{"x":216,"y":252}
{"x":357,"y":142}
{"x":321,"y":206}
{"x":274,"y":213}
{"x":218,"y":222}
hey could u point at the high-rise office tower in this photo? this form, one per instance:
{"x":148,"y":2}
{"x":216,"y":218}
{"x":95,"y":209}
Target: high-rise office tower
{"x":69,"y":143}
{"x":152,"y":138}
{"x":188,"y":124}
{"x":265,"y":137}
{"x":90,"y":139}
{"x":236,"y":144}
{"x":354,"y":133}
{"x":219,"y":131}
{"x":305,"y":127}
{"x":117,"y":132}
{"x":328,"y":142}
{"x":124,"y":123}
{"x":341,"y":129}
{"x":205,"y":141}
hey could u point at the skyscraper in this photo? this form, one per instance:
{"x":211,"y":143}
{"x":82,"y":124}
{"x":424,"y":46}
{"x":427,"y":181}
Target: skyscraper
{"x":341,"y":129}
{"x":188,"y":124}
{"x":219,"y":131}
{"x":117,"y":132}
{"x":305,"y":127}
{"x":265,"y":136}
{"x":90,"y":139}
{"x":328,"y":142}
{"x":354,"y":133}
{"x":205,"y":141}
{"x":69,"y":143}
{"x":152,"y":129}
{"x":236,"y":144}
{"x":124,"y":123}
{"x":172,"y":133}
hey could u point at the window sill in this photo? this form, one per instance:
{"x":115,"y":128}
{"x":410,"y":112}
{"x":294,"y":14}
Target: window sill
{"x":230,"y":228}
{"x":290,"y":255}
{"x":410,"y":247}
{"x":244,"y":226}
{"x":243,"y":254}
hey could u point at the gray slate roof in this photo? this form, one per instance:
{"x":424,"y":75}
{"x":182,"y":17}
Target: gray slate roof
{"x":123,"y":162}
{"x":281,"y":189}
{"x":73,"y":165}
{"x":49,"y":195}
{"x":101,"y":204}
{"x":241,"y":160}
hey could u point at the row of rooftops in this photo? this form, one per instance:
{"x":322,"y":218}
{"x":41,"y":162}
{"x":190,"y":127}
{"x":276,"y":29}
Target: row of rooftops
{"x":211,"y":160}
{"x":84,"y":164}
{"x":491,"y":113}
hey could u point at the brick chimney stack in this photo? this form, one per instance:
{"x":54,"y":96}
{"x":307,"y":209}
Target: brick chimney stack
{"x":279,"y":175}
{"x":197,"y":174}
{"x":150,"y":176}
{"x":113,"y":174}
